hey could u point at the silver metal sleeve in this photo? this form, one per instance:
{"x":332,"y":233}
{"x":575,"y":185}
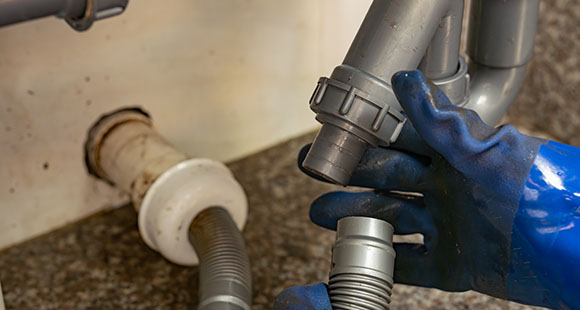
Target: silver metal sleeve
{"x":363,"y":261}
{"x":224,"y":276}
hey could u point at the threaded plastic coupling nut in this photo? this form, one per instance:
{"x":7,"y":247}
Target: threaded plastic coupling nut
{"x":363,"y":261}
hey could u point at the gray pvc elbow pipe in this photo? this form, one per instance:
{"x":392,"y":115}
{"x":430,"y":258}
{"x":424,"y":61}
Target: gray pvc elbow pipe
{"x":493,"y":90}
{"x":356,"y":105}
{"x":500,"y":45}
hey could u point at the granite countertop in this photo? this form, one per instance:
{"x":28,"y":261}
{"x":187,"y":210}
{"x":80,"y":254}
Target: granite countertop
{"x":102,"y":263}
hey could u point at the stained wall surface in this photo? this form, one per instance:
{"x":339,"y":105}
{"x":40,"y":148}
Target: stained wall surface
{"x":223,"y":79}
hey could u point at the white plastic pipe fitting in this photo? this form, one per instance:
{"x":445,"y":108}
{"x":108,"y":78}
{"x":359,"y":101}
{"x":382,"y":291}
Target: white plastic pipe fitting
{"x":167,"y":188}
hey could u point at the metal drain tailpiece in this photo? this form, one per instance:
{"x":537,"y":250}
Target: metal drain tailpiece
{"x":363,"y":261}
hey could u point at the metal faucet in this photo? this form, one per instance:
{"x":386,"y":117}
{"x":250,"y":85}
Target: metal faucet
{"x":356,"y":105}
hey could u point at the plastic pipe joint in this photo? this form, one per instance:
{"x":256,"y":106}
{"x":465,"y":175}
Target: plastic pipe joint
{"x":356,"y":105}
{"x":167,"y":188}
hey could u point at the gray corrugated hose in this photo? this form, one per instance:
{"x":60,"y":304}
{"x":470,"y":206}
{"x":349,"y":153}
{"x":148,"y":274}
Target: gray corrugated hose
{"x":363,"y":261}
{"x":225,"y":280}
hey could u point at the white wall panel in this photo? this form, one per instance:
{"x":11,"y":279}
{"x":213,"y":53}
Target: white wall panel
{"x":222,"y":79}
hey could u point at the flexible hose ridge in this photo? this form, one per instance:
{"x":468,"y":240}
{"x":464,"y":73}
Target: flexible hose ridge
{"x":224,"y":276}
{"x":363,"y":260}
{"x":359,"y":291}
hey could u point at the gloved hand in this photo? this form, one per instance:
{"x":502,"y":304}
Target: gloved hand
{"x":312,"y":297}
{"x":499,"y":211}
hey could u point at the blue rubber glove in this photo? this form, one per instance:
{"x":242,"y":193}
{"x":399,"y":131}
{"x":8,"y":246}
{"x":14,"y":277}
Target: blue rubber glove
{"x":499,"y":212}
{"x":313,"y":297}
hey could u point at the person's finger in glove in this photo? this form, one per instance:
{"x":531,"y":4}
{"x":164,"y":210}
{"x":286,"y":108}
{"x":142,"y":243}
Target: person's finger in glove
{"x":499,"y":212}
{"x":312,"y":297}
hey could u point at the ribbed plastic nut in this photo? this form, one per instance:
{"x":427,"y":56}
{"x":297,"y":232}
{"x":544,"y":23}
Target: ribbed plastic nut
{"x":356,"y":110}
{"x":343,"y":105}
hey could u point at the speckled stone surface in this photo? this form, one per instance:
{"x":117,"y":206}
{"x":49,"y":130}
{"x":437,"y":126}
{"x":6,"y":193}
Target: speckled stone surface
{"x":102,"y":263}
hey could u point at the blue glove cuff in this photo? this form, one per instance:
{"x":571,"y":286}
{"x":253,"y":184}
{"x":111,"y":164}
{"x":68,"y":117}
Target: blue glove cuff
{"x":545,"y":254}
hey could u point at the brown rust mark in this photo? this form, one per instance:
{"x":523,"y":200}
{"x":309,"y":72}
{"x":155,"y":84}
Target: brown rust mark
{"x":147,"y":178}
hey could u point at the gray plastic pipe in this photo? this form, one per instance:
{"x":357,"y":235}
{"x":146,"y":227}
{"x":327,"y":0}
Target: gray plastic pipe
{"x":189,"y":210}
{"x":356,"y":105}
{"x":442,"y":57}
{"x":500,"y":45}
{"x":15,"y":11}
